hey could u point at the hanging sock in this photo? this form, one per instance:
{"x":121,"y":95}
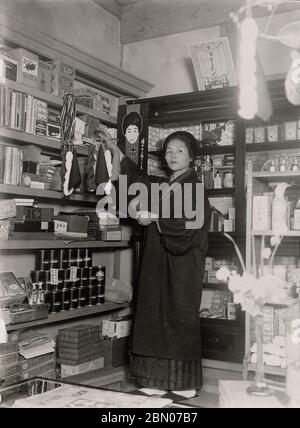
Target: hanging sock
{"x":103,"y":171}
{"x":101,"y":175}
{"x":91,"y":167}
{"x":75,"y":176}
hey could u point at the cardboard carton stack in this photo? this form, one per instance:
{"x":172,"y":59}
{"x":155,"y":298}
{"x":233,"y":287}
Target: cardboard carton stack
{"x":36,"y":355}
{"x":9,"y":361}
{"x":79,"y":349}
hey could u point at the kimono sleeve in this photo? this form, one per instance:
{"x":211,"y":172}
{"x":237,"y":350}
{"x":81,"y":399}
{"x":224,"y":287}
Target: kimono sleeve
{"x":136,"y":175}
{"x":178,"y":239}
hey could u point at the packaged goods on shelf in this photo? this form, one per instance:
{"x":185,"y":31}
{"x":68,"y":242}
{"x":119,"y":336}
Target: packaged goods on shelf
{"x":44,"y":77}
{"x":117,"y":327}
{"x":8,"y":68}
{"x":62,"y":78}
{"x":68,"y":370}
{"x":96,"y":99}
{"x":7,"y":208}
{"x":28,"y":66}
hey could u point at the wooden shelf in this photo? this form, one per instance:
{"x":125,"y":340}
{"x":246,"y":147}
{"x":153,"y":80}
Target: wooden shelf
{"x":9,"y":189}
{"x":295,"y":233}
{"x":36,"y":244}
{"x":215,"y":285}
{"x":268,"y":369}
{"x":268,"y":147}
{"x":221,"y":192}
{"x":68,"y":315}
{"x":277,"y":176}
{"x":46,"y":143}
{"x":218,"y":321}
{"x":58,"y":102}
{"x":202,"y":151}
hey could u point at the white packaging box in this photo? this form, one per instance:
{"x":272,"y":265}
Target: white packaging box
{"x":228,"y":225}
{"x":28,"y":66}
{"x":261,"y":213}
{"x":119,"y":327}
{"x":67,"y":370}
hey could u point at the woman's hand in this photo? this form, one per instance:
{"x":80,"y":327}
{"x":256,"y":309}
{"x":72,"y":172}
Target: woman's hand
{"x":144,"y":218}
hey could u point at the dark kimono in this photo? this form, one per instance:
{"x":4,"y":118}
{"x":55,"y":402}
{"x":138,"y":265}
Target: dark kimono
{"x":166,"y":340}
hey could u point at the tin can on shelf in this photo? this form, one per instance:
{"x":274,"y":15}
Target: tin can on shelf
{"x":42,"y":260}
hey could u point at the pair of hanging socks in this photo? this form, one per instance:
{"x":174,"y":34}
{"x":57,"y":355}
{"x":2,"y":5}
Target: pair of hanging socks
{"x":152,"y":391}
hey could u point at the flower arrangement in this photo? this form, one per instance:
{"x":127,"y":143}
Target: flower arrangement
{"x":250,"y":290}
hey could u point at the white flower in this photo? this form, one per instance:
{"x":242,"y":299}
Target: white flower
{"x":266,"y":253}
{"x":223,"y":274}
{"x":274,"y":240}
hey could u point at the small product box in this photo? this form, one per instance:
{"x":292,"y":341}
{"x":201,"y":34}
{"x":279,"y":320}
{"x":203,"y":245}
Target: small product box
{"x":114,"y":234}
{"x":118,"y":327}
{"x":261,"y":213}
{"x":249,"y":135}
{"x":290,"y":130}
{"x":8,"y":69}
{"x":259,"y":134}
{"x":62,"y":78}
{"x":270,"y":323}
{"x":28,"y":66}
{"x":44,"y":77}
{"x":7,"y":208}
{"x":272,"y":133}
{"x":296,"y":224}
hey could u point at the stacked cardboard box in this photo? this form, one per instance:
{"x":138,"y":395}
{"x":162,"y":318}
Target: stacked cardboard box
{"x":62,"y":78}
{"x":79,"y":349}
{"x":9,"y":361}
{"x":41,"y":365}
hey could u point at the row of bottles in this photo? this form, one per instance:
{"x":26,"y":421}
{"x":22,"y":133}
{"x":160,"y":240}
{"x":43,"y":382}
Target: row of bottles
{"x":214,"y":177}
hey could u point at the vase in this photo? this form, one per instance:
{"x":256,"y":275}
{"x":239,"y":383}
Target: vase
{"x":259,"y":387}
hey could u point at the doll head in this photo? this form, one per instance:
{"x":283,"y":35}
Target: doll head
{"x":132,"y":126}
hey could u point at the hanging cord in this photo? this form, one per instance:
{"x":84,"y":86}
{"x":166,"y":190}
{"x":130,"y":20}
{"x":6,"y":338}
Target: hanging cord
{"x":67,"y":119}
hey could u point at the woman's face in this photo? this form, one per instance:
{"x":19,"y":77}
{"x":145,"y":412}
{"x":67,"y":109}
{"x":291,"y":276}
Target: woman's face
{"x":132,"y":134}
{"x":177,"y":156}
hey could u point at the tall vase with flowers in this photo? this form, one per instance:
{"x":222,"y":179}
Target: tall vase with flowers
{"x":252,"y":291}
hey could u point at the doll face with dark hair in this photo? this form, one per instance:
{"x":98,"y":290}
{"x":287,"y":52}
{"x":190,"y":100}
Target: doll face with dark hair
{"x":132,"y":134}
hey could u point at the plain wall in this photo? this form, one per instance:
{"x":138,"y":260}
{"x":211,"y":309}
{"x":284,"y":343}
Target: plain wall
{"x":78,"y":23}
{"x":166,"y":61}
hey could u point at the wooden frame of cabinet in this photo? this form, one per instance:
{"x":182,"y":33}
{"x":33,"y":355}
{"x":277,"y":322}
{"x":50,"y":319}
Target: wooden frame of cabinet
{"x":258,"y":182}
{"x":97,"y":74}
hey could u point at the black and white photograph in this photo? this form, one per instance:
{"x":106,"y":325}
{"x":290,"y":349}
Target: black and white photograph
{"x":149,"y":206}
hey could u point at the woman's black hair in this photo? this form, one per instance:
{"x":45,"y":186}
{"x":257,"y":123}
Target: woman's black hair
{"x":132,"y":118}
{"x":187,"y":138}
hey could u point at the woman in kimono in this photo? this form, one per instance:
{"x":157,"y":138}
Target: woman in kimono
{"x":166,"y":340}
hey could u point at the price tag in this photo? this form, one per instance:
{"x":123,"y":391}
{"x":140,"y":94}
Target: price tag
{"x":54,"y":276}
{"x":73,"y":273}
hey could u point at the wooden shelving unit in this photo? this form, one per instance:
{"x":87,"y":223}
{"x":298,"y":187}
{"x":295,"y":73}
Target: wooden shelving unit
{"x":58,"y":102}
{"x":59,"y":243}
{"x":17,"y":191}
{"x":278,"y":145}
{"x":69,"y":315}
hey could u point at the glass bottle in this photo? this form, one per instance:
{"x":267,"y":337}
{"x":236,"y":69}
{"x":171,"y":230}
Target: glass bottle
{"x":282,"y":165}
{"x":295,"y":166}
{"x":273,"y":166}
{"x":228,"y":179}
